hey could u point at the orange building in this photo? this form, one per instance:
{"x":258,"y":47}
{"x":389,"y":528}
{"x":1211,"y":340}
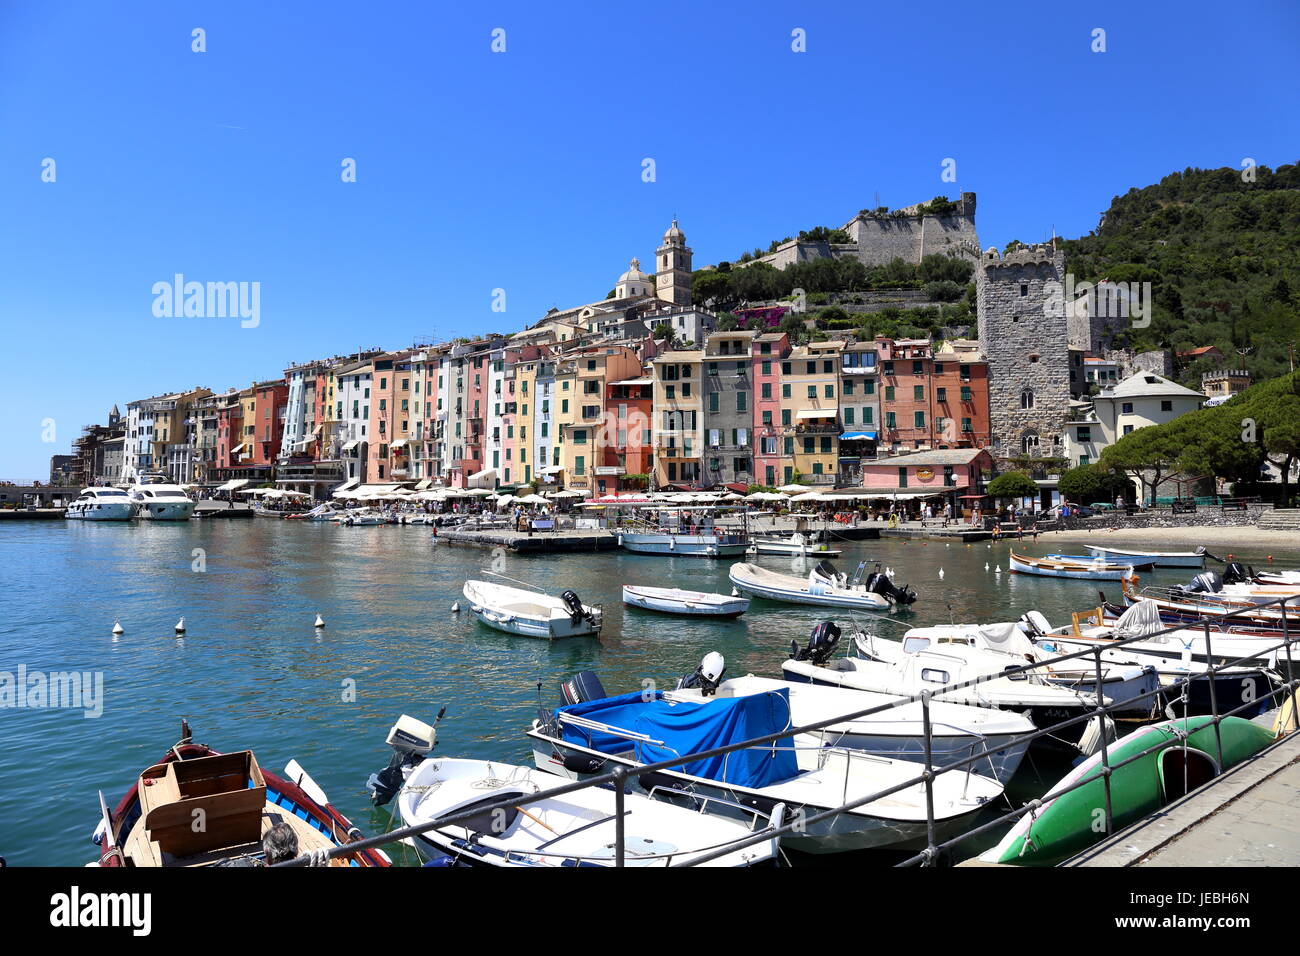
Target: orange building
{"x":930,"y":401}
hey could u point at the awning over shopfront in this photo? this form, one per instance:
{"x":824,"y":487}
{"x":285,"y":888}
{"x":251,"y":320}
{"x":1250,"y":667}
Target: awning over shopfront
{"x":232,"y":484}
{"x":817,"y":413}
{"x":553,"y":470}
{"x":485,"y":473}
{"x":237,"y":449}
{"x":348,"y":446}
{"x":854,"y":436}
{"x":423,"y":484}
{"x":400,"y":443}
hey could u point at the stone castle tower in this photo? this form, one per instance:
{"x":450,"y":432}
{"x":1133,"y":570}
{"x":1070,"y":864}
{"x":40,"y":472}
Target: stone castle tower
{"x":1023,"y":332}
{"x":673,"y":272}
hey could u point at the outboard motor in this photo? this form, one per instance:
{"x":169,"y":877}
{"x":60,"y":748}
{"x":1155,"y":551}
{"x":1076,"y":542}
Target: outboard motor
{"x":1237,"y":573}
{"x":571,"y":601}
{"x":582,"y":687}
{"x":821,"y":644}
{"x":411,"y":741}
{"x":707,"y":676}
{"x":1035,"y":624}
{"x":1207,"y":582}
{"x":878,"y":583}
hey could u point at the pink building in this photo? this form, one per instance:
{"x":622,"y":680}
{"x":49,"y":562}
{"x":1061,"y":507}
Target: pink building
{"x":768,"y":351}
{"x":948,"y":475}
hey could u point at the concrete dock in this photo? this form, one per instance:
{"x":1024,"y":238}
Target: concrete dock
{"x":540,"y":542}
{"x":30,"y":514}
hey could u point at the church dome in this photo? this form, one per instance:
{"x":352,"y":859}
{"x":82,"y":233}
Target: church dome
{"x":674,"y":232}
{"x":634,"y":274}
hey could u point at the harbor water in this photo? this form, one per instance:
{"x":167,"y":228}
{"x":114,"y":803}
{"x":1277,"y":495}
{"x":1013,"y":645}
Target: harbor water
{"x":252,"y":672}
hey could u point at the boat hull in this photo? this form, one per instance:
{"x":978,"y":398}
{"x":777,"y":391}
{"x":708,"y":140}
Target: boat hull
{"x":101,"y":512}
{"x":1158,"y":558}
{"x":840,"y":833}
{"x":1068,"y":824}
{"x":665,"y":602}
{"x":1050,"y":569}
{"x":788,"y":594}
{"x":166,"y":510}
{"x":684,"y":545}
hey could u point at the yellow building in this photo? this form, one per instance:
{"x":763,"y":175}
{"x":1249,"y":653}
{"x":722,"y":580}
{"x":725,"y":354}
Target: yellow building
{"x":678,"y":417}
{"x":810,"y":428}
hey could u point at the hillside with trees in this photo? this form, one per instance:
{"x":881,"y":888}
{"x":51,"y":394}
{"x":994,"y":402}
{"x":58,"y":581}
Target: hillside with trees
{"x":1223,"y":257}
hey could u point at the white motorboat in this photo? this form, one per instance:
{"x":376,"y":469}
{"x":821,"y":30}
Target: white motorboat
{"x":102,"y":504}
{"x":573,"y":829}
{"x":795,"y":545}
{"x":910,"y":670}
{"x":358,"y":517}
{"x":678,"y":601}
{"x":159,"y":500}
{"x":1182,"y":672}
{"x":1161,"y":559}
{"x":593,"y":733}
{"x":710,"y":544}
{"x":1278,"y":576}
{"x":995,"y":647}
{"x":532,"y":613}
{"x":956,"y":730}
{"x":824,"y":586}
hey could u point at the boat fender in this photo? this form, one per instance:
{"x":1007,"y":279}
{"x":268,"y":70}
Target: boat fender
{"x":1098,"y":733}
{"x":583,"y":763}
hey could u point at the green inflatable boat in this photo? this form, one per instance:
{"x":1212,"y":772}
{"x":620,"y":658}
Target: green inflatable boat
{"x":1187,"y":756}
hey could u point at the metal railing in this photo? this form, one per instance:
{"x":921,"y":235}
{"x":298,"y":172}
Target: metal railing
{"x":934,"y":849}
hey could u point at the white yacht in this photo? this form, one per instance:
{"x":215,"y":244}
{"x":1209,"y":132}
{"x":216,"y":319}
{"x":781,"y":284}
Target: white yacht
{"x":160,"y":500}
{"x":102,"y":504}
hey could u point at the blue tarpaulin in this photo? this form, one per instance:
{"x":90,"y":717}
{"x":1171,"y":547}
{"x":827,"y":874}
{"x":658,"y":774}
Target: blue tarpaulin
{"x":850,"y":436}
{"x":684,"y":727}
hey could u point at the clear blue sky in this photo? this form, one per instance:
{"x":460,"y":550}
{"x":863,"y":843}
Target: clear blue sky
{"x":522,"y":170}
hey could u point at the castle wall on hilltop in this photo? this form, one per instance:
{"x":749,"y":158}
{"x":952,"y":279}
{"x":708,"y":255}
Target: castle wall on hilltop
{"x":878,"y":240}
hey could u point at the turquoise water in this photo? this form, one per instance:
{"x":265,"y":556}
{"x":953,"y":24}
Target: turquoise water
{"x":252,"y":672}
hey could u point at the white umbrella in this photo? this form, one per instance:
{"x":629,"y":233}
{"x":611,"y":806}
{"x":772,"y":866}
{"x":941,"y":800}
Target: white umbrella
{"x":479,"y":492}
{"x":533,"y":500}
{"x":809,"y":496}
{"x":793,"y":489}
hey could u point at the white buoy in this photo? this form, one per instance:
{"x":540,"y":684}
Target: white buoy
{"x":118,"y":628}
{"x":455,"y":608}
{"x":986,"y":565}
{"x":180,"y":626}
{"x":320,"y":621}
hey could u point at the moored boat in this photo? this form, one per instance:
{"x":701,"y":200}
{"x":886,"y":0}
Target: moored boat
{"x":824,"y":586}
{"x":1137,"y":563}
{"x":1096,"y":570}
{"x":593,"y":734}
{"x":157,"y":499}
{"x":532,"y":613}
{"x":1185,"y":753}
{"x":1161,"y":559}
{"x":794,"y":545}
{"x":102,"y":504}
{"x":247,"y":810}
{"x":678,"y":601}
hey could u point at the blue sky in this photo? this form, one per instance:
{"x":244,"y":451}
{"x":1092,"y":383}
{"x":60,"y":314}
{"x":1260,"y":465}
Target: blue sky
{"x":522,"y":170}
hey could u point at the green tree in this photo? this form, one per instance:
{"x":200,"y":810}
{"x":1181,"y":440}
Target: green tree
{"x":1012,"y":484}
{"x":1089,"y":483}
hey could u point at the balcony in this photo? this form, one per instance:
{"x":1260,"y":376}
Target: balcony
{"x":805,"y":428}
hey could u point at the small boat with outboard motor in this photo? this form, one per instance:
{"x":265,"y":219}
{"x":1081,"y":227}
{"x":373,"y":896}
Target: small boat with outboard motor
{"x":679,"y":601}
{"x":252,"y":816}
{"x":1247,"y":668}
{"x":579,"y":828}
{"x":824,"y":586}
{"x":907,"y":669}
{"x":593,"y":733}
{"x":1209,"y":596}
{"x":1138,"y":563}
{"x":1140,"y":773}
{"x":532,"y":613}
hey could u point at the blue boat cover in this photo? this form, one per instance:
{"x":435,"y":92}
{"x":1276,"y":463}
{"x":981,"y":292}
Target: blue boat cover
{"x":685,"y":727}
